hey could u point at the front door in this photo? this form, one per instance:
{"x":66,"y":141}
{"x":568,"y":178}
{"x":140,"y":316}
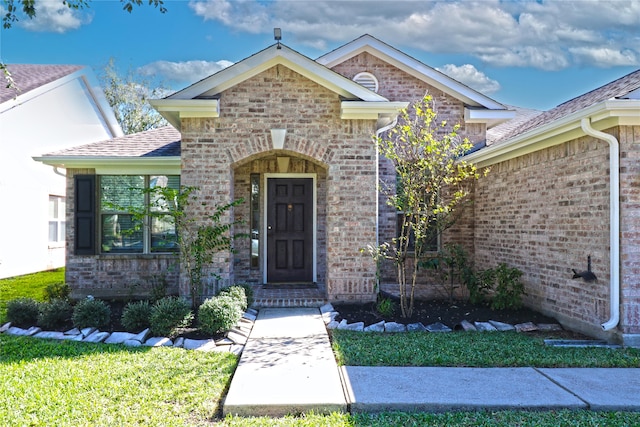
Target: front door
{"x":289,"y":230}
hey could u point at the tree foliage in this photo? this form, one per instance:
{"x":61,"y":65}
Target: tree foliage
{"x":432,"y":182}
{"x":129,"y":97}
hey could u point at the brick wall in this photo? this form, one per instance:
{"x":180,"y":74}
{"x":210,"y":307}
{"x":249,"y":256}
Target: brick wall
{"x":629,"y":137}
{"x":396,"y":85}
{"x":281,"y":98}
{"x":544,"y":213}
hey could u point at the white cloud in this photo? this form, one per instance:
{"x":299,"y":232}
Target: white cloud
{"x":188,"y":71}
{"x":472,"y":77}
{"x":54,"y":16}
{"x":549,"y":35}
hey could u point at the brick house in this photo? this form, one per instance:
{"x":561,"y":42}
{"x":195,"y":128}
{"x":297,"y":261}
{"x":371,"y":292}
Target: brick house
{"x":292,"y":136}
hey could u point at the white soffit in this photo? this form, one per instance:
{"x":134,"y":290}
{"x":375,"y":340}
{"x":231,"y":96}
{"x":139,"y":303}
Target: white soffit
{"x":116,"y":165}
{"x":411,"y":66}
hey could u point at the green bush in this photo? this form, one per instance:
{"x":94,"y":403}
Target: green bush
{"x":168,"y":315}
{"x":385,"y":306}
{"x":57,"y":291}
{"x":238,"y":293}
{"x":23,"y":312}
{"x":91,"y":313}
{"x":219,"y":314}
{"x":136,"y":316}
{"x":509,"y":288}
{"x":55,"y":314}
{"x":248,"y":292}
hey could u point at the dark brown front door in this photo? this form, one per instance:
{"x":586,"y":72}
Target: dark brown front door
{"x":289,"y":230}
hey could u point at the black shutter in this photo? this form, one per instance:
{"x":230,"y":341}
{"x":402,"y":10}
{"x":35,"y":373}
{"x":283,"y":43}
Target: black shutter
{"x":85,"y":214}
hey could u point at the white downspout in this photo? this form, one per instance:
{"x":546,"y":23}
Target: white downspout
{"x":614,"y":220}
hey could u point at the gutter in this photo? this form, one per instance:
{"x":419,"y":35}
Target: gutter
{"x":614,"y":221}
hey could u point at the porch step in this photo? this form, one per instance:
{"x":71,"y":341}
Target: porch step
{"x":284,"y":302}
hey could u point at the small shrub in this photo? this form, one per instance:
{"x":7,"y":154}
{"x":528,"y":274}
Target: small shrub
{"x":219,"y":314}
{"x":238,"y":293}
{"x":91,"y":313}
{"x":55,"y":314}
{"x":23,"y":312}
{"x":136,"y":316}
{"x":248,"y":292}
{"x":385,"y":306}
{"x":57,"y":291}
{"x":509,"y":289}
{"x":168,"y":315}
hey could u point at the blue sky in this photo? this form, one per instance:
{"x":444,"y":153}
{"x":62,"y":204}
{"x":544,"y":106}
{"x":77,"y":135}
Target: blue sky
{"x":533,"y":54}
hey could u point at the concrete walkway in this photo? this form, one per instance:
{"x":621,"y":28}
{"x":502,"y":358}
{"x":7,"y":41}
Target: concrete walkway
{"x":288,"y":367}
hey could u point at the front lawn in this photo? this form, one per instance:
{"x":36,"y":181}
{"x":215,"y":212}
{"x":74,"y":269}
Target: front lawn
{"x":27,"y":286}
{"x":51,"y":383}
{"x":473,"y":349}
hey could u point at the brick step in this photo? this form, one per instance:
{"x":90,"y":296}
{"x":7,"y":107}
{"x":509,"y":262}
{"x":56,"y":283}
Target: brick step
{"x":288,"y":302}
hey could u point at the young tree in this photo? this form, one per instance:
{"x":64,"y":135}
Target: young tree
{"x":129,"y":98}
{"x":432,"y":182}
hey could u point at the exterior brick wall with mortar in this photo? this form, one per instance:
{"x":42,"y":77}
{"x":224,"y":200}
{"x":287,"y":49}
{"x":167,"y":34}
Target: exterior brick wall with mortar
{"x":113,"y":276}
{"x":397,"y":85}
{"x":544,"y":213}
{"x":281,"y":98}
{"x":629,"y":137}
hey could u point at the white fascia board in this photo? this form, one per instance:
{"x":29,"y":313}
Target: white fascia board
{"x":173,"y":110}
{"x":369,"y":110}
{"x":271,"y":57}
{"x":603,"y":115}
{"x":169,"y":165}
{"x":483,"y":115}
{"x":411,"y":66}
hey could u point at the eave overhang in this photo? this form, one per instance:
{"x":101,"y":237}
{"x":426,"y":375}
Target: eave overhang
{"x":117,"y":165}
{"x":352,"y":110}
{"x":490,"y":117}
{"x":176,"y":109}
{"x":603,"y":115}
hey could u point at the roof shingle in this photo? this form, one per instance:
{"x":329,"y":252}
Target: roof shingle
{"x":28,"y":77}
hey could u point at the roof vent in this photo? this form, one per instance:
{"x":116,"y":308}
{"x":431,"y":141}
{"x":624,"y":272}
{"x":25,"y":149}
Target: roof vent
{"x":367,"y":80}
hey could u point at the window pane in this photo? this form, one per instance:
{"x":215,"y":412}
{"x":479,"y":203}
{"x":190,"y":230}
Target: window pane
{"x":53,"y":231}
{"x":122,"y":191}
{"x":255,"y":220}
{"x":120,"y":234}
{"x":170,"y":181}
{"x":163,"y":235}
{"x":53,"y":207}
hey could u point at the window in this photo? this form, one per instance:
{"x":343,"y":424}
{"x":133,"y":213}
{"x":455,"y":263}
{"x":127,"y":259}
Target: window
{"x":255,"y":220}
{"x":56,"y":219}
{"x":120,"y":231}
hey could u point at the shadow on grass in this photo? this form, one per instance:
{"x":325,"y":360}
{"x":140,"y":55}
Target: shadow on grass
{"x":15,"y":349}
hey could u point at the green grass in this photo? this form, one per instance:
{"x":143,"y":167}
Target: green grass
{"x":27,"y":286}
{"x":467,"y":419}
{"x":503,"y":349}
{"x":47,"y":383}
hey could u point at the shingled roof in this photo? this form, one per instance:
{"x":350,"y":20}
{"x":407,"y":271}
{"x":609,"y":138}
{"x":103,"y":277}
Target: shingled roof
{"x":616,"y":89}
{"x":28,"y":77}
{"x":161,"y":142}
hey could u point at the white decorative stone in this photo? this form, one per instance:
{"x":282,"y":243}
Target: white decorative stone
{"x":237,"y":338}
{"x":526,"y":327}
{"x":4,"y":328}
{"x":87,"y":331}
{"x":50,"y":335}
{"x":485,"y":327}
{"x":333,"y":324}
{"x":252,"y":311}
{"x":357,"y":326}
{"x":132,"y":343}
{"x":119,"y":337}
{"x":249,"y":316}
{"x":327,"y":308}
{"x":394,"y":327}
{"x":438,"y":327}
{"x":142,"y":336}
{"x":158,"y":342}
{"x":235,"y":349}
{"x":502,"y":327}
{"x":416,"y":327}
{"x":14,"y":330}
{"x":97,"y":337}
{"x":465,"y":325}
{"x":224,"y":341}
{"x":179,"y":342}
{"x":202,"y":345}
{"x":376,"y":327}
{"x":74,"y":331}
{"x":77,"y":338}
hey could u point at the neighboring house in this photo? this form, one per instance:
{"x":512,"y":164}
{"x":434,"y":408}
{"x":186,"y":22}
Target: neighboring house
{"x":292,"y":136}
{"x":52,"y":107}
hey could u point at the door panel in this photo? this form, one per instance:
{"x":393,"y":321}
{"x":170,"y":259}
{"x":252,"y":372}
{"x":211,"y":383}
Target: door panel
{"x":289,"y":230}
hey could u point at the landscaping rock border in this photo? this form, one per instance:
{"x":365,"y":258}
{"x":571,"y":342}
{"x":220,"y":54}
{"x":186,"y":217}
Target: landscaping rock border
{"x":329,"y":315}
{"x":233,"y":342}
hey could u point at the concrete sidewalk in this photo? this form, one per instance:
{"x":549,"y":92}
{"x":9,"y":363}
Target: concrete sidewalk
{"x":288,"y":367}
